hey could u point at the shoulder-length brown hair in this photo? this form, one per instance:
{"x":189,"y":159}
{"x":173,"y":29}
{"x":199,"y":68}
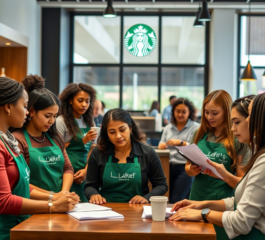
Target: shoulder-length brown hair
{"x":187,"y":103}
{"x":257,"y":130}
{"x":224,"y":100}
{"x":67,"y":110}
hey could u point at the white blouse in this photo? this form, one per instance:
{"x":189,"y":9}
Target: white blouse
{"x":250,"y":199}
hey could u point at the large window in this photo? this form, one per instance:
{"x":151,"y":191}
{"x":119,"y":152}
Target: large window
{"x":176,"y":66}
{"x":256,"y":53}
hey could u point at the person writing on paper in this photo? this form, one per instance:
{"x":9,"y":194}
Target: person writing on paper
{"x":216,"y":140}
{"x":178,"y":133}
{"x":242,"y":215}
{"x":40,"y":143}
{"x":17,"y":199}
{"x":73,"y":124}
{"x":239,"y":114}
{"x":120,"y":167}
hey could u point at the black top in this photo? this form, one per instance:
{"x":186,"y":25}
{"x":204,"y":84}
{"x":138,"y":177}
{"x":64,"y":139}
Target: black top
{"x":151,"y":169}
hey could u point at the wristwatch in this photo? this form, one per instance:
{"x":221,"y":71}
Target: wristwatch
{"x":51,"y":195}
{"x":204,"y":214}
{"x":50,"y":204}
{"x":181,"y":143}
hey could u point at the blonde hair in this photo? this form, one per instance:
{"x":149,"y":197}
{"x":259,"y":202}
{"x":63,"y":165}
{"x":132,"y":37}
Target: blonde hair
{"x":224,"y":100}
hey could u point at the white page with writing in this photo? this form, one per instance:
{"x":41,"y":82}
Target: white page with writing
{"x":147,"y":213}
{"x":96,"y":215}
{"x":89,"y":207}
{"x":198,"y":157}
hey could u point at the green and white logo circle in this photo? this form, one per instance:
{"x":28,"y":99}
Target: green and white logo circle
{"x":140,"y":40}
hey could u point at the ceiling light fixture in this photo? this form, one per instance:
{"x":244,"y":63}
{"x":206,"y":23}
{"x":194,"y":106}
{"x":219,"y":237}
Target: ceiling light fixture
{"x":109,"y":11}
{"x":198,"y":23}
{"x":8,"y":43}
{"x":204,"y":15}
{"x":249,"y":73}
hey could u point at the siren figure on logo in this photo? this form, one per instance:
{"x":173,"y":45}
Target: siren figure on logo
{"x":140,"y":40}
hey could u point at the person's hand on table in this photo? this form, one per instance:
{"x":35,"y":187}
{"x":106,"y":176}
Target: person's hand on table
{"x":194,"y":169}
{"x":186,"y":214}
{"x":65,"y":203}
{"x":173,"y":142}
{"x":97,"y":199}
{"x":80,"y":176}
{"x":220,"y":168}
{"x":162,"y":146}
{"x":188,"y":204}
{"x":138,"y":199}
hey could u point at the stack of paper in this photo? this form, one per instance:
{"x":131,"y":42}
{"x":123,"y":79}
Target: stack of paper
{"x":88,"y":211}
{"x":147,"y":213}
{"x":95,"y":215}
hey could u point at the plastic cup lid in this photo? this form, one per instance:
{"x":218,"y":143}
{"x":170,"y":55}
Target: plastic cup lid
{"x":158,"y":199}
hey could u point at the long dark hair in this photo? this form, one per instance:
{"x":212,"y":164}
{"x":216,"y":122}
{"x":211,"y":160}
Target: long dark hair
{"x":155,"y":105}
{"x":117,"y":114}
{"x":41,"y":98}
{"x":10,"y":91}
{"x":187,"y":103}
{"x":241,"y":105}
{"x":257,"y":129}
{"x":67,"y":110}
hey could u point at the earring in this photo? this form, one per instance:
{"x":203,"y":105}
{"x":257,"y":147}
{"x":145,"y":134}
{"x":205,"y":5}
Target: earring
{"x":29,"y":118}
{"x":8,"y":113}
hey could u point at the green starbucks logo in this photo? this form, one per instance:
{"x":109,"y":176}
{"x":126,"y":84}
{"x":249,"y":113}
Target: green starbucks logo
{"x":140,"y":40}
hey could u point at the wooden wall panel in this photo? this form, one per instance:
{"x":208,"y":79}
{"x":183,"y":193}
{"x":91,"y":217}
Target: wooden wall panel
{"x":14,"y":60}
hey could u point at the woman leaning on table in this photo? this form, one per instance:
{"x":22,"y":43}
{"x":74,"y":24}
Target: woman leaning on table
{"x":17,"y":200}
{"x":120,"y":166}
{"x":243,"y":215}
{"x":217,"y":142}
{"x":178,"y":133}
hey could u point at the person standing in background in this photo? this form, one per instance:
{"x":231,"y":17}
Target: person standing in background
{"x":73,"y":124}
{"x":155,"y":109}
{"x":96,"y":112}
{"x":167,"y":111}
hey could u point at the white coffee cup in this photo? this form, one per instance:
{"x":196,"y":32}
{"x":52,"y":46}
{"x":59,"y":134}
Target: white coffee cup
{"x":158,"y":205}
{"x":97,"y":130}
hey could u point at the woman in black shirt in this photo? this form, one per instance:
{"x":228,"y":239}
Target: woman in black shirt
{"x":120,"y":166}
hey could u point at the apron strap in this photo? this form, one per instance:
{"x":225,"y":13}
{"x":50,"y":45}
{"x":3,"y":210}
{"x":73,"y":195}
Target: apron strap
{"x":27,"y":138}
{"x":8,"y":149}
{"x":50,"y":139}
{"x":108,"y":164}
{"x":136,"y":163}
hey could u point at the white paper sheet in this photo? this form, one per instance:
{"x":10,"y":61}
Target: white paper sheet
{"x":95,"y":215}
{"x":147,"y":213}
{"x":197,"y":156}
{"x":89,"y":207}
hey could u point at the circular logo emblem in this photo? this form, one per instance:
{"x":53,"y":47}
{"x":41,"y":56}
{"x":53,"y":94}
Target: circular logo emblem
{"x":140,"y":40}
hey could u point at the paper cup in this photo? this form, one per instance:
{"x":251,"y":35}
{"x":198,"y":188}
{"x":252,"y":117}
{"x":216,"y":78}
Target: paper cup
{"x":158,"y":205}
{"x":97,"y":130}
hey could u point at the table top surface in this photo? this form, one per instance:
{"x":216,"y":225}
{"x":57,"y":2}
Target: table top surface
{"x":132,"y":223}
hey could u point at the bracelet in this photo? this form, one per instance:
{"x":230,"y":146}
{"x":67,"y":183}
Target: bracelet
{"x":51,"y":195}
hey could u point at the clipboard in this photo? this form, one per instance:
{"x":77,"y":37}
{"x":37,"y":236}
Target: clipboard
{"x":187,"y":158}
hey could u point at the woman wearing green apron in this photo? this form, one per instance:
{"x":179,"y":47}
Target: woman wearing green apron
{"x":39,"y":142}
{"x":241,"y":216}
{"x":16,"y":197}
{"x":73,"y":124}
{"x":216,"y":141}
{"x":120,"y":167}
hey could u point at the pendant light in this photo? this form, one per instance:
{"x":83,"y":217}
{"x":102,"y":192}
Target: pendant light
{"x":204,"y":15}
{"x":198,"y":23}
{"x":109,"y":11}
{"x":248,"y":74}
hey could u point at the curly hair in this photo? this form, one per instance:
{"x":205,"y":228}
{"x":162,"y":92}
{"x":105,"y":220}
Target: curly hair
{"x":117,"y":114}
{"x":187,"y":103}
{"x":41,"y":98}
{"x":67,"y":110}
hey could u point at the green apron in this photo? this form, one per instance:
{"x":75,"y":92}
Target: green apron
{"x":254,"y":234}
{"x":22,"y":189}
{"x":121,"y":182}
{"x":46,"y":165}
{"x":77,"y":152}
{"x":205,"y":187}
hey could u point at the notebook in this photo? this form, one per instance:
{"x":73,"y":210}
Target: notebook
{"x":96,"y":215}
{"x":147,"y":213}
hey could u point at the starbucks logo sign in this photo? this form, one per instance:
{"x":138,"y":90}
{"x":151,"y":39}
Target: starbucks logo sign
{"x":140,"y":40}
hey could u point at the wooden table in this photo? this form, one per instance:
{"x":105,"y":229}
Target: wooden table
{"x":132,"y":227}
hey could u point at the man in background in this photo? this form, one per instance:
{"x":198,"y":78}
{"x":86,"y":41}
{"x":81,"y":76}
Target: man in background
{"x":167,"y":111}
{"x":97,"y":110}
